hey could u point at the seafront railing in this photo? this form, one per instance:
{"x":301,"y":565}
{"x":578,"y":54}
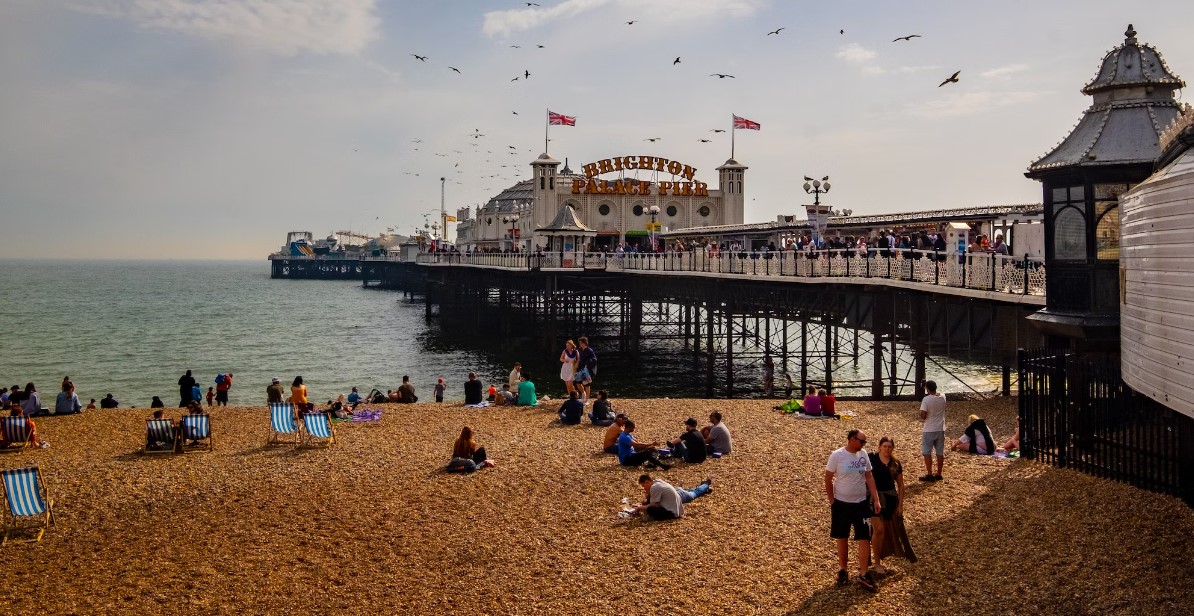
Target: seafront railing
{"x":978,"y":271}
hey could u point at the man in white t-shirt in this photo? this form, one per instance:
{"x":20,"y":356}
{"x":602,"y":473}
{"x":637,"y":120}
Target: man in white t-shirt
{"x":848,"y":482}
{"x":662,"y":502}
{"x":932,"y":436}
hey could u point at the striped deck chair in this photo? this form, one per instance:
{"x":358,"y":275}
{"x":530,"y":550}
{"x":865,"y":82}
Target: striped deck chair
{"x":319,"y":430}
{"x":282,"y":427}
{"x":25,"y":497}
{"x":160,"y":431}
{"x":17,"y":433}
{"x":197,"y":427}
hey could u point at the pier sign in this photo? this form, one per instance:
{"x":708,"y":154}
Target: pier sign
{"x":691,"y":188}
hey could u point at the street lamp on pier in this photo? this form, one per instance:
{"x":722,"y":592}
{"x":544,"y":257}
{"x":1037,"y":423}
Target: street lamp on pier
{"x":654,"y":210}
{"x":511,"y":220}
{"x":816,"y":187}
{"x":818,"y":217}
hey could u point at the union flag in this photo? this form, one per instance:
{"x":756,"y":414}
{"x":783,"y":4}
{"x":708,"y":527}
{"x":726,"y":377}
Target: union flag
{"x":744,"y":123}
{"x":559,"y":119}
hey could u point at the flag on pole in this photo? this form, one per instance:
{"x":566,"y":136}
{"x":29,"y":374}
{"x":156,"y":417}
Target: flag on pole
{"x":450,"y":218}
{"x":559,"y":119}
{"x":746,"y":124}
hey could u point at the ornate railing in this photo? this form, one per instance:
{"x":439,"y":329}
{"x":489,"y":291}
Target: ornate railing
{"x":980,"y":271}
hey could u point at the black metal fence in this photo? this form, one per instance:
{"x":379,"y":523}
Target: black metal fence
{"x":1078,"y":413}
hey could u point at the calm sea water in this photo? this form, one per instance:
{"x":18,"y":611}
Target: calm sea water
{"x":133,"y":327}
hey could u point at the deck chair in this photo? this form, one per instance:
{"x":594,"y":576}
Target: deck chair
{"x":319,"y":430}
{"x":160,"y":431}
{"x":25,"y":497}
{"x":197,"y":427}
{"x":282,"y":427}
{"x":17,"y":432}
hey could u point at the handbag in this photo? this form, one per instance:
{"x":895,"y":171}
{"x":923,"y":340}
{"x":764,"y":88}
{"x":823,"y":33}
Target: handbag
{"x":581,"y":376}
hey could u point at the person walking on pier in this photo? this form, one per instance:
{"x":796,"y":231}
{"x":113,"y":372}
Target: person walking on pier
{"x":932,"y":412}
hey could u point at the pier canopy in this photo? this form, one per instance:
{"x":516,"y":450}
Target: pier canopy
{"x":566,"y":226}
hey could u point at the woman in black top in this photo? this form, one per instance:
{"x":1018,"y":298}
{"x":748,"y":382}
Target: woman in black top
{"x":889,"y":482}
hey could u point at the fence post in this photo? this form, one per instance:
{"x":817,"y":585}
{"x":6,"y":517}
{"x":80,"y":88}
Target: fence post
{"x":994,"y":260}
{"x":1025,"y":274}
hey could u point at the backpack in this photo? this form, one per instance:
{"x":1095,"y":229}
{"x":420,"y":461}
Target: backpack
{"x":220,"y":378}
{"x":461,"y":465}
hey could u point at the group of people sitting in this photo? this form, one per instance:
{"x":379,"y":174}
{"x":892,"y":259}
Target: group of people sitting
{"x":692,"y":446}
{"x":181,"y":431}
{"x":519,"y":392}
{"x":816,"y":403}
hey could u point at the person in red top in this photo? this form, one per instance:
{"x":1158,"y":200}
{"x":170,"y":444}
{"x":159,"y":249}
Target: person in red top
{"x":222,"y":390}
{"x":827,"y":402}
{"x":211,"y":395}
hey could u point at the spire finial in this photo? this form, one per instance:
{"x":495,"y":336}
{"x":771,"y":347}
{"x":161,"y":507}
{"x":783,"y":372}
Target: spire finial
{"x":1131,"y":35}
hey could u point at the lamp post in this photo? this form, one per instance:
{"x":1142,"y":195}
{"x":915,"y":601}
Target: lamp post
{"x":511,"y":220}
{"x":654,"y":210}
{"x":817,"y":219}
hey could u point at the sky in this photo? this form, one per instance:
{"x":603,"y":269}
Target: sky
{"x":188,"y":129}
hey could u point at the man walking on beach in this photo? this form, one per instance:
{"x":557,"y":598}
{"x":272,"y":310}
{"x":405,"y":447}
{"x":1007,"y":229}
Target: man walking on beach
{"x":222,"y":390}
{"x":932,"y":412}
{"x":185,"y":386}
{"x":848,"y":482}
{"x":587,"y":363}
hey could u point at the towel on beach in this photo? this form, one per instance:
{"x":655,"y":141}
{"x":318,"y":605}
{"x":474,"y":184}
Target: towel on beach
{"x":366,"y":415}
{"x":480,"y":405}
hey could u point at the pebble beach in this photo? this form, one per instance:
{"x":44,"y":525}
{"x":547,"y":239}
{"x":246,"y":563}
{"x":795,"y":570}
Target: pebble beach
{"x":374,"y":525}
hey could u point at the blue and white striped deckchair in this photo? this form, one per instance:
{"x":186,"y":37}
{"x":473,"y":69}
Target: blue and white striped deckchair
{"x":318,"y":426}
{"x":17,"y":432}
{"x":197,"y":427}
{"x":160,"y":431}
{"x":25,"y":497}
{"x":282,"y":424}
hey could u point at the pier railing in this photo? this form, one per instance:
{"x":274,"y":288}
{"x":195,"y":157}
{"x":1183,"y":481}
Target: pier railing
{"x":978,"y":271}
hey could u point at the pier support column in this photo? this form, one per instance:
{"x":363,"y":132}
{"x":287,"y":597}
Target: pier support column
{"x":803,"y":355}
{"x":829,"y":344}
{"x":730,"y":351}
{"x":1006,"y":385}
{"x":918,"y":361}
{"x":877,"y":376}
{"x":709,"y":363}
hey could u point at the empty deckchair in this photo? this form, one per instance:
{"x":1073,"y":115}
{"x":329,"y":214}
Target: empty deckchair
{"x":197,"y":427}
{"x":17,"y":432}
{"x":319,"y":431}
{"x":282,"y":427}
{"x":25,"y":497}
{"x":160,"y":436}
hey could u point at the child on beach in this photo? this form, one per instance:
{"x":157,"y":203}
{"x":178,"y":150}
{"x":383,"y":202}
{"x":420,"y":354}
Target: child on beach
{"x":91,"y":405}
{"x":439,"y":389}
{"x":492,"y":393}
{"x":211,"y":395}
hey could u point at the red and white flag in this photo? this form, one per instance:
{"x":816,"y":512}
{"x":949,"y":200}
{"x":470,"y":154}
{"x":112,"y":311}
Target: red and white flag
{"x":559,"y":119}
{"x":744,"y":123}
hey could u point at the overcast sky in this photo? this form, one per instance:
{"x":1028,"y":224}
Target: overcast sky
{"x":208,"y":129}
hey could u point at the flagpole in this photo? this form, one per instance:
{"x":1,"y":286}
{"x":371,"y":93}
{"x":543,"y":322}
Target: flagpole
{"x":547,"y":123}
{"x":732,"y":137}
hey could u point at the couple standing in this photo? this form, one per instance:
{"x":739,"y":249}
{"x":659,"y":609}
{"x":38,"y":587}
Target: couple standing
{"x":578,"y":366}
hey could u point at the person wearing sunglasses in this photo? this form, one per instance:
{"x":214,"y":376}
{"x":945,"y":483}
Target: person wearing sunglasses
{"x":848,"y":484}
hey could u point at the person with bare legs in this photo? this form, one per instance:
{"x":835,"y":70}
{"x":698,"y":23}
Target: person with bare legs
{"x":932,"y":412}
{"x":848,"y":483}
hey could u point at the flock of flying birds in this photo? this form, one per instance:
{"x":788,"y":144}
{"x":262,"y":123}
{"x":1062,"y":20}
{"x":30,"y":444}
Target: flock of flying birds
{"x":516,"y":170}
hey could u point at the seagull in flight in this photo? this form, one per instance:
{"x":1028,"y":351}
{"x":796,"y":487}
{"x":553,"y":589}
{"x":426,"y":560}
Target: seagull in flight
{"x":512,"y":147}
{"x":717,"y":130}
{"x":516,"y":78}
{"x":514,"y":112}
{"x":630,"y":23}
{"x":807,"y":179}
{"x":454,"y":68}
{"x":676,"y":61}
{"x":776,"y":31}
{"x":527,"y":74}
{"x":515,"y":47}
{"x":531,"y":4}
{"x":652,"y":139}
{"x":416,"y":141}
{"x":706,"y":140}
{"x":541,"y":46}
{"x":905,"y":38}
{"x":419,"y":58}
{"x":721,"y":75}
{"x":842,"y":31}
{"x":952,"y":79}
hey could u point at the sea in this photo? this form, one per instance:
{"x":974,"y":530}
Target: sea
{"x":132,"y":328}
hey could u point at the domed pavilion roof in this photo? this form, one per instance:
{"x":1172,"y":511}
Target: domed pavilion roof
{"x":1133,"y":103}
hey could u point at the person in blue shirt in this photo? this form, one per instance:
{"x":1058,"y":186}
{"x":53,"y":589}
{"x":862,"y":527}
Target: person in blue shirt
{"x":571,"y":410}
{"x":354,"y":398}
{"x":526,"y":391}
{"x":634,"y":453}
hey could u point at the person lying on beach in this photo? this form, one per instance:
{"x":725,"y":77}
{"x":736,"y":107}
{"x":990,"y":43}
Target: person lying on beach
{"x":687,"y":496}
{"x":609,"y":444}
{"x":689,"y":446}
{"x":603,"y":411}
{"x":634,"y":453}
{"x":662,"y":501}
{"x":976,"y":439}
{"x":572,"y":410}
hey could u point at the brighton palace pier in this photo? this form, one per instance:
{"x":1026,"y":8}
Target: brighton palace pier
{"x":618,"y":209}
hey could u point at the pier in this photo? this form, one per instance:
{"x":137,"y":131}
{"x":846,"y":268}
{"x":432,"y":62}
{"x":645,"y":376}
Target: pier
{"x":325,"y":267}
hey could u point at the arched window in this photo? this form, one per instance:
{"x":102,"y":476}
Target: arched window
{"x":603,"y":209}
{"x":1069,"y":234}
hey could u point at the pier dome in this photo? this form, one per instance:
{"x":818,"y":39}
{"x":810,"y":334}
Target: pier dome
{"x":1133,"y":103}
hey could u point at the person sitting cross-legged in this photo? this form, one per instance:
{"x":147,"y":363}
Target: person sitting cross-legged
{"x":609,"y":444}
{"x":572,"y":410}
{"x":634,"y":453}
{"x":603,"y":411}
{"x":689,"y":446}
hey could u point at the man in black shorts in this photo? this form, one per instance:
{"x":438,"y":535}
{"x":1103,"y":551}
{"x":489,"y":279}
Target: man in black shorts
{"x":848,"y":482}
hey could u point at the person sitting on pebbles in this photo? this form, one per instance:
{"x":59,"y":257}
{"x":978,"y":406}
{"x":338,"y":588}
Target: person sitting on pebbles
{"x":634,"y":453}
{"x":467,"y":456}
{"x":572,"y":410}
{"x":603,"y":412}
{"x":609,"y":444}
{"x":976,"y":439}
{"x":717,"y":435}
{"x":689,"y":446}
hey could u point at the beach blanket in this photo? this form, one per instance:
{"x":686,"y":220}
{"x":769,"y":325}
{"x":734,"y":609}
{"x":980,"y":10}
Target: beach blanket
{"x":480,"y":405}
{"x":366,"y":415}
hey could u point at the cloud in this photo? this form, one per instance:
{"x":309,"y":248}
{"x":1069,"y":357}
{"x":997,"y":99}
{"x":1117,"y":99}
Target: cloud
{"x":855,"y":54}
{"x":1003,"y":71}
{"x":968,"y":103}
{"x":506,"y":23}
{"x":285,"y":27}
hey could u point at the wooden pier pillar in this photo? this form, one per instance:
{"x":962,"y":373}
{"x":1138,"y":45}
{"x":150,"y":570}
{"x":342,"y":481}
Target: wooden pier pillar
{"x":730,"y":351}
{"x":709,"y":364}
{"x":877,"y":376}
{"x":803,"y":355}
{"x":1006,"y":388}
{"x":918,"y":361}
{"x":829,"y":338}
